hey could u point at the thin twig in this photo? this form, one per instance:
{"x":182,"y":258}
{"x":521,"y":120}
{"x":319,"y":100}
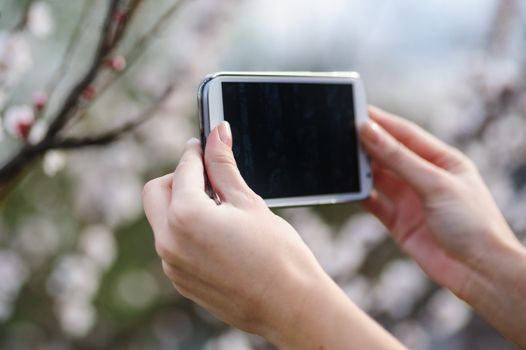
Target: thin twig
{"x":112,"y":135}
{"x":22,"y":23}
{"x":29,"y":152}
{"x":122,"y":25}
{"x":71,"y":103}
{"x":62,"y":68}
{"x":498,"y":36}
{"x":140,"y":45}
{"x":131,"y":57}
{"x":496,"y":103}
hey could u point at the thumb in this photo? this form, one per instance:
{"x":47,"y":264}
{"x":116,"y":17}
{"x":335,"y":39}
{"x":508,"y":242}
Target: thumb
{"x":221,"y":166}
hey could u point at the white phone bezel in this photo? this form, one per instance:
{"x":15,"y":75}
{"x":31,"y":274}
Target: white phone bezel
{"x":211,"y":103}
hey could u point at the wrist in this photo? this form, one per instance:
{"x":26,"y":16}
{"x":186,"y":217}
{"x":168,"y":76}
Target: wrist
{"x":496,"y":287}
{"x":298,"y":299}
{"x":323,"y":317}
{"x":499,"y":256}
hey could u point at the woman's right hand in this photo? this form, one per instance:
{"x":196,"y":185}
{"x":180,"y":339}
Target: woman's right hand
{"x":245,"y":264}
{"x":433,"y":200}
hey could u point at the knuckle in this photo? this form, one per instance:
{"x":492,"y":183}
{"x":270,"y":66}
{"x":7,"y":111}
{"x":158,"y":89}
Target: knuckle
{"x":456,"y":153}
{"x":148,"y":187}
{"x":442,"y":184}
{"x":182,"y":290}
{"x":459,"y":159}
{"x":254,"y":200}
{"x":393,"y":151}
{"x":170,"y":272}
{"x":223,"y":159}
{"x":181,"y":214}
{"x":467,"y":162}
{"x":164,"y":251}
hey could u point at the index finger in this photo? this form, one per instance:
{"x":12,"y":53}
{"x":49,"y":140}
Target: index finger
{"x":417,"y":139}
{"x":189,"y":173}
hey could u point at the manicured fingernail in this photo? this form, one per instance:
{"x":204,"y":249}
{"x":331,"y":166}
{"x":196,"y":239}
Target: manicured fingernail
{"x":225,"y":134}
{"x":370,"y":132}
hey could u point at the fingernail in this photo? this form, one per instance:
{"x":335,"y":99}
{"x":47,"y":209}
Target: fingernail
{"x":225,"y":134}
{"x":370,"y":132}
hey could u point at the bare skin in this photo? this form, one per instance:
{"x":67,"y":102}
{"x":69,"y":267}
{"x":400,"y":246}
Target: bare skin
{"x":251,"y":269}
{"x":438,"y":209}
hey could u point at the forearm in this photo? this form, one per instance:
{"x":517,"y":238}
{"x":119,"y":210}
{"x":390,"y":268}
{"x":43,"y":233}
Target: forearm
{"x":327,"y":319}
{"x":497,"y":290}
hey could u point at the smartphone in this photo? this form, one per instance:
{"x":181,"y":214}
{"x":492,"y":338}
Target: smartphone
{"x":295,"y":134}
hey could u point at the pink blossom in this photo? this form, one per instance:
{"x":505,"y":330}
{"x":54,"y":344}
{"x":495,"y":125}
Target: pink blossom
{"x":89,"y":92}
{"x":18,"y":121}
{"x":116,"y":63}
{"x":39,"y":100}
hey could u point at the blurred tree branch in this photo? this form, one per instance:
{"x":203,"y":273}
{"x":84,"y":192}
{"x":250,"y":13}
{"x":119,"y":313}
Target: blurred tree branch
{"x":23,"y":19}
{"x":112,"y":135}
{"x":119,"y":15}
{"x":132,"y":56}
{"x":62,"y":68}
{"x":496,"y":102}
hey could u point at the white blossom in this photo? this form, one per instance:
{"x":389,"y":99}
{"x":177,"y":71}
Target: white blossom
{"x":40,"y":22}
{"x":74,"y":276}
{"x":231,"y":340}
{"x":316,"y":234}
{"x":77,"y":316}
{"x":54,"y":161}
{"x":400,"y":285}
{"x":15,"y":57}
{"x":356,"y":238}
{"x":359,"y":291}
{"x":447,"y":313}
{"x":13,"y":274}
{"x":37,"y":132}
{"x":412,"y":335}
{"x":98,"y":243}
{"x":136,"y":289}
{"x":37,"y":239}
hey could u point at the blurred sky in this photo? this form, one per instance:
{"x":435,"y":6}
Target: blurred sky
{"x":399,"y":47}
{"x":409,"y":29}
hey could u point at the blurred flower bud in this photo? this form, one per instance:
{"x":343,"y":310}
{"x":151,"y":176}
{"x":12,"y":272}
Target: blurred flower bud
{"x":18,"y":121}
{"x":116,"y":63}
{"x":39,"y":20}
{"x":119,"y":15}
{"x":39,"y":100}
{"x":88,"y":92}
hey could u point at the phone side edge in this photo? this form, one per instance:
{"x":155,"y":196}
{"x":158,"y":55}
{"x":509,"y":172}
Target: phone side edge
{"x":204,"y":128}
{"x":361,"y":116}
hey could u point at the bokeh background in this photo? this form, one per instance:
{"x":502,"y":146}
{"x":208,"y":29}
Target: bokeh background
{"x":78,"y":268}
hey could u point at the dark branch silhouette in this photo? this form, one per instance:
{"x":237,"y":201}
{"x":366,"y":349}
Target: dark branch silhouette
{"x":112,"y":135}
{"x":119,"y":15}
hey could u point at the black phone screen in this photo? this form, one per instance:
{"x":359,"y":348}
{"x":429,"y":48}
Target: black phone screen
{"x":293,"y":139}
